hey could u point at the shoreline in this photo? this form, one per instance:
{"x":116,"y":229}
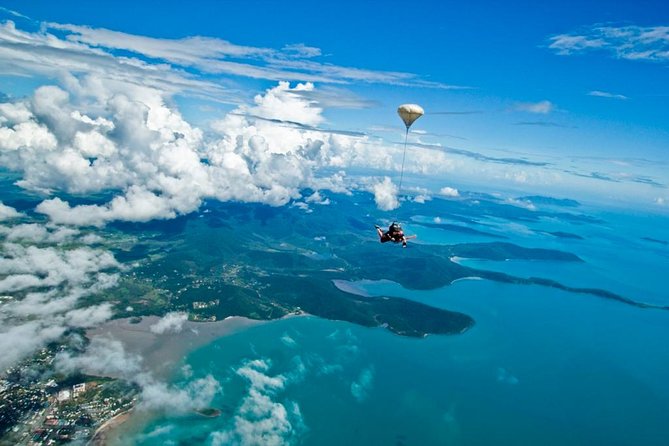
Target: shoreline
{"x":101,"y":434}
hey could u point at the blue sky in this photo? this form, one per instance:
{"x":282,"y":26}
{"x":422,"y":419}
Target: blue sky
{"x":581,"y":86}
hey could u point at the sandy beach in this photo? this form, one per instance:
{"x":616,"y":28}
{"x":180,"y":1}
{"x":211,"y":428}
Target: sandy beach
{"x":100,"y":438}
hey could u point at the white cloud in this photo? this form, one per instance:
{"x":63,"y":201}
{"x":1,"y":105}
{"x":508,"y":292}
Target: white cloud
{"x":286,"y":104}
{"x":605,"y":94}
{"x":8,"y":212}
{"x":385,"y":194}
{"x":164,"y":63}
{"x":172,"y":167}
{"x":421,"y":198}
{"x":449,"y":192}
{"x":17,"y":341}
{"x":170,"y":323}
{"x":288,"y":341}
{"x":542,"y":107}
{"x":38,"y":233}
{"x":48,"y":282}
{"x":526,"y":204}
{"x":196,"y":394}
{"x":103,"y":357}
{"x":52,"y":267}
{"x":630,"y":42}
{"x":90,"y":316}
{"x":261,"y":419}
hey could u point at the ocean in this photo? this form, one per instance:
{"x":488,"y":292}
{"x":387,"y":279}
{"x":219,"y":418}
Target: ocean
{"x":540,"y":366}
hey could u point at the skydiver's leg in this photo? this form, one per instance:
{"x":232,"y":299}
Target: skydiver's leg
{"x":380,"y":232}
{"x":404,"y":242}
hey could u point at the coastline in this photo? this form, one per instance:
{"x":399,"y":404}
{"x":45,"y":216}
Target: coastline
{"x":102,"y":433}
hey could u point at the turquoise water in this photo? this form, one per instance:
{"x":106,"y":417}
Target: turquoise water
{"x":540,"y":367}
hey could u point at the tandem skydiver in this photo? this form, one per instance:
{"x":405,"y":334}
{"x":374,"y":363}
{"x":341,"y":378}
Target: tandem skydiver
{"x":394,"y":234}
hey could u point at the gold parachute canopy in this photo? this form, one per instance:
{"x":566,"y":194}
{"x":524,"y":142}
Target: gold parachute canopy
{"x":409,"y":113}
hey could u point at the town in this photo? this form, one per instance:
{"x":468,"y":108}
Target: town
{"x":41,"y":407}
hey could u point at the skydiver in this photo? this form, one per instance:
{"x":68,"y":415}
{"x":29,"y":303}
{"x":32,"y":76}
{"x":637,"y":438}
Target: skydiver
{"x":394,"y":234}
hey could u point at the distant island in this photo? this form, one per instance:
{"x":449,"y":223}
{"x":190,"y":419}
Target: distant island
{"x":540,"y":199}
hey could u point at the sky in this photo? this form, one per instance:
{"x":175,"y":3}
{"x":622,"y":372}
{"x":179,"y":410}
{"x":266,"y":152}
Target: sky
{"x":167,"y":104}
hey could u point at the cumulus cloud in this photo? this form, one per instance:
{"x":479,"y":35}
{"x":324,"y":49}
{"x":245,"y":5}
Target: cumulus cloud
{"x":286,"y":104}
{"x":50,"y":267}
{"x":46,"y":282}
{"x":17,"y":341}
{"x":447,"y":191}
{"x":170,"y":323}
{"x":7,"y":212}
{"x":103,"y":357}
{"x":524,"y":203}
{"x":261,"y":419}
{"x":37,"y":233}
{"x":90,"y":316}
{"x":195,"y":394}
{"x":385,"y":194}
{"x":158,"y":166}
{"x":163,"y":167}
{"x":421,"y":198}
{"x":542,"y":107}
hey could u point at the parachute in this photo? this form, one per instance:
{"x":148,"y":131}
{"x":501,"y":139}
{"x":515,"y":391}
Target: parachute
{"x":409,"y":113}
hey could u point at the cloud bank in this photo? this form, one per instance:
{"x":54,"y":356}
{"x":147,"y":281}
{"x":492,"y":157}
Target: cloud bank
{"x":45,"y":272}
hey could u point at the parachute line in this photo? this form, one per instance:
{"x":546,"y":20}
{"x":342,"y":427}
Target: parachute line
{"x":409,"y":113}
{"x":406,"y":135}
